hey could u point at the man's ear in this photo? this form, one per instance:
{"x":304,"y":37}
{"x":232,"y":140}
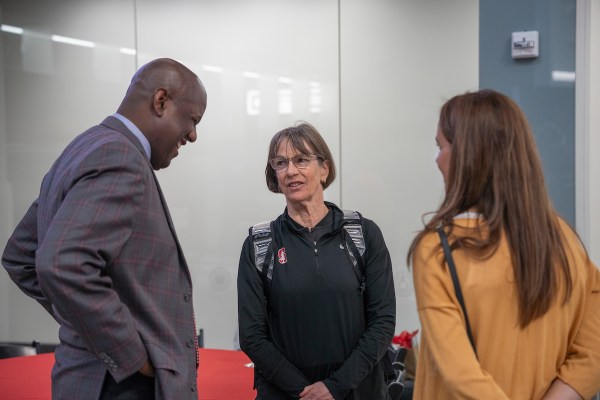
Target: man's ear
{"x":159,"y":100}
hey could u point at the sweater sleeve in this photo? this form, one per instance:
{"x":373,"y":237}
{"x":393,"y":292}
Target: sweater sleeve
{"x":444,"y":330}
{"x":581,"y":369}
{"x":380,"y":307}
{"x":253,"y":332}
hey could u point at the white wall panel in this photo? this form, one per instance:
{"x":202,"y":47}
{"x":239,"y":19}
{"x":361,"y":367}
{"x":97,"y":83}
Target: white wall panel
{"x":594,"y":132}
{"x":588,"y":126}
{"x":50,"y":92}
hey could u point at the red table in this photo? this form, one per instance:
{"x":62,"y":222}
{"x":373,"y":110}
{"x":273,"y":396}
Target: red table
{"x":222,"y":376}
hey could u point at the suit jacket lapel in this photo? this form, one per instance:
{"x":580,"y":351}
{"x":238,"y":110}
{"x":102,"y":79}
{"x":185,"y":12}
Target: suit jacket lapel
{"x":168,"y":214}
{"x":117,"y":125}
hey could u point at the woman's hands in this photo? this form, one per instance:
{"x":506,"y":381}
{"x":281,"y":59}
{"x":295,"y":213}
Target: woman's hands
{"x":316,"y":391}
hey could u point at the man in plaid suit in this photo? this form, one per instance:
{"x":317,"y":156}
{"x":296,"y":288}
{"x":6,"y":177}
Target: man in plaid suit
{"x":98,"y":248}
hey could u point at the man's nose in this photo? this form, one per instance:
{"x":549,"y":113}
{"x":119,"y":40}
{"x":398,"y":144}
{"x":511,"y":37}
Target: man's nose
{"x":192,"y":136}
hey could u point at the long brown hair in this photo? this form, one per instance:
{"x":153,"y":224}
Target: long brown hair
{"x":495,"y":168}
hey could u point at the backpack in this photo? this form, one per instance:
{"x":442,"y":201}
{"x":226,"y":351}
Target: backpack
{"x":352,"y":235}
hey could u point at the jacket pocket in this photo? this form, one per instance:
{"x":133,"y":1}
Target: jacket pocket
{"x":161,"y":359}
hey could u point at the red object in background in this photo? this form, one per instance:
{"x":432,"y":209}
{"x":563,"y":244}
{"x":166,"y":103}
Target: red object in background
{"x":404,"y":339}
{"x":222,"y":375}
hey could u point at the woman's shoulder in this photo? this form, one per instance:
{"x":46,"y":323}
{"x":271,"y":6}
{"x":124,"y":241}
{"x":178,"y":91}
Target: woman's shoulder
{"x":369,"y":223}
{"x":428,"y":245}
{"x":571,"y":241}
{"x":567,"y":230}
{"x":370,"y":228}
{"x":428,"y":267}
{"x":575,"y":246}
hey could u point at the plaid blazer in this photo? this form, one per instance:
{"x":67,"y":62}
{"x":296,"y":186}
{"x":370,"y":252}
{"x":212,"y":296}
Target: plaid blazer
{"x":99,"y":251}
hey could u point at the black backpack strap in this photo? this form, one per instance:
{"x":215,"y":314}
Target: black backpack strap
{"x":353,"y":225}
{"x":456,"y":282}
{"x":353,"y":236}
{"x":262,"y":240}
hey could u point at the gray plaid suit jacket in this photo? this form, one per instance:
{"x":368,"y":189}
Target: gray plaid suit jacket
{"x":98,"y":250}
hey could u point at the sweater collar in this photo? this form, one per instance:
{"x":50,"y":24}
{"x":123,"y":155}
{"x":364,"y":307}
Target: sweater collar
{"x":334,"y":215}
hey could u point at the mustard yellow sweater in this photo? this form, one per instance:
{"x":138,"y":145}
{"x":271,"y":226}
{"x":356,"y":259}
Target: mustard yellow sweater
{"x":514,"y":363}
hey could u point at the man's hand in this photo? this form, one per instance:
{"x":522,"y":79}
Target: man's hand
{"x":316,"y":391}
{"x":147,"y":369}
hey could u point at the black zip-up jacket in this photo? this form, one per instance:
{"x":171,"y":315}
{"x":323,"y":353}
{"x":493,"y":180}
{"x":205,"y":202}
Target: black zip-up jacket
{"x":318,"y":327}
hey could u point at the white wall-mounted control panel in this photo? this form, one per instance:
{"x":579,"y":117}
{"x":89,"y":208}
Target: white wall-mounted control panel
{"x":525,"y":44}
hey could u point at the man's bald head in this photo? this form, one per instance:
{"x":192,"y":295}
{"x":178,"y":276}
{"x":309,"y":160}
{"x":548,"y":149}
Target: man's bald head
{"x":163,"y":73}
{"x":166,"y":101}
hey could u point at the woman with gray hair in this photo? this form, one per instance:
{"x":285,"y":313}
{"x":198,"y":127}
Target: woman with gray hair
{"x":316,"y":301}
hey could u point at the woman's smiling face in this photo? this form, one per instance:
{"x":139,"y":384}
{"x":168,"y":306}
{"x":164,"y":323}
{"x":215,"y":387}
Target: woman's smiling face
{"x":301,"y":185}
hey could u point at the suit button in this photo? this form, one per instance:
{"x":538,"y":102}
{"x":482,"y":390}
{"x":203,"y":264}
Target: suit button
{"x":190,"y":343}
{"x":187,"y":297}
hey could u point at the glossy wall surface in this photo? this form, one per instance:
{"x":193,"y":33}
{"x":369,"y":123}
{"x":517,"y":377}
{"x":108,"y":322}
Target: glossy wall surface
{"x":588,"y":125}
{"x":544,"y":87}
{"x":593,"y":169}
{"x":370,"y":76}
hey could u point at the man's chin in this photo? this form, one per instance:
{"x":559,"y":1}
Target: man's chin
{"x":163,"y":165}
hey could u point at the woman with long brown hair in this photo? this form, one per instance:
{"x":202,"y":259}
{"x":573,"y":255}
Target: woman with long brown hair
{"x":531,"y":294}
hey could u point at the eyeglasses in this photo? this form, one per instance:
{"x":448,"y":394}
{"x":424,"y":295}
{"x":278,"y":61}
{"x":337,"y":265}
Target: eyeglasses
{"x":299,"y":160}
